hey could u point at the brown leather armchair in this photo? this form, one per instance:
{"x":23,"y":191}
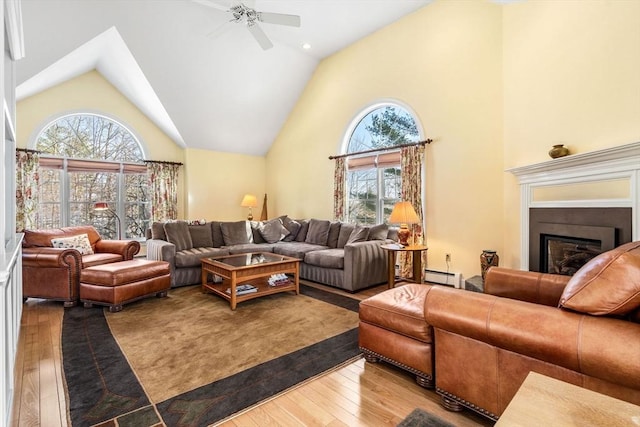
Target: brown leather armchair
{"x":582,"y":330}
{"x":54,"y":273}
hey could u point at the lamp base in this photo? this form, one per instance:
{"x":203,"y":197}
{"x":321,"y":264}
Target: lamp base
{"x":249,"y":217}
{"x":403,"y":235}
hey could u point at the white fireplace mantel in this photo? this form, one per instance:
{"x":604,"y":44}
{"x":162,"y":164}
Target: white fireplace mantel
{"x":620,"y":164}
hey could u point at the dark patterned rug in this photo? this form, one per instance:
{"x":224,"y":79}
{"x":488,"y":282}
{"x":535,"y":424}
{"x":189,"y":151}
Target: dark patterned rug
{"x":102,"y":387}
{"x":421,"y":418}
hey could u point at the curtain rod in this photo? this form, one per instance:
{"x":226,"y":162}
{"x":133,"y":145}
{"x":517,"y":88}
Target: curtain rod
{"x":377,"y":150}
{"x":166,"y":163}
{"x":27,"y":150}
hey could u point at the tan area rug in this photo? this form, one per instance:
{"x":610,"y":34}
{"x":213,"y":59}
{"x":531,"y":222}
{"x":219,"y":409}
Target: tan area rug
{"x":191,"y":339}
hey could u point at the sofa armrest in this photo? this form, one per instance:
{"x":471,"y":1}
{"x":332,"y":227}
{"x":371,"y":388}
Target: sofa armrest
{"x":52,"y":258}
{"x":531,"y":286}
{"x":564,"y":338}
{"x":127,"y":248}
{"x":161,"y":250}
{"x":365,"y":264}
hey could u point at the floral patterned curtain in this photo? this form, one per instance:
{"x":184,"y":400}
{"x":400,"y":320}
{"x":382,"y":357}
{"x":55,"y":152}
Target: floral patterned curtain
{"x":163,"y":186}
{"x":339,"y":177}
{"x":411,"y":160}
{"x":27,"y":196}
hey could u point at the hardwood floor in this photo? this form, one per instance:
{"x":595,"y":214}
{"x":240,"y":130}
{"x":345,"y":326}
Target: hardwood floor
{"x":357,"y":394}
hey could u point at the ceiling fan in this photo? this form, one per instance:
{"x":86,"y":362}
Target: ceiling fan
{"x":242,"y":14}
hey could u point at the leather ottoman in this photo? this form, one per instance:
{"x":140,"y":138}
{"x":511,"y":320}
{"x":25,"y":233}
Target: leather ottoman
{"x":122,"y":282}
{"x":393,"y":328}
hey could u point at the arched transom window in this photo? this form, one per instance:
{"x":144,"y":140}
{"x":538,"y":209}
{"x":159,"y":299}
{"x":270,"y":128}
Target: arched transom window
{"x":373,"y":179}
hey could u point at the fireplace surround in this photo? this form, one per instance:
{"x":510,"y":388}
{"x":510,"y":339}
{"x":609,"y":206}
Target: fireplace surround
{"x":588,"y":199}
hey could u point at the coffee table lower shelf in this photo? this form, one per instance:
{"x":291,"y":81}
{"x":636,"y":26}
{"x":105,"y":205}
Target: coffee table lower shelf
{"x":263,"y":290}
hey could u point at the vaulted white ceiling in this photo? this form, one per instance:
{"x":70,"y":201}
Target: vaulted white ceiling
{"x":203,"y":80}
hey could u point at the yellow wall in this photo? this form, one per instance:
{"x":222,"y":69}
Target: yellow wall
{"x":571,"y":76}
{"x":495,"y":86}
{"x":209,"y":182}
{"x":91,"y":92}
{"x":444,"y":62}
{"x":217,"y":182}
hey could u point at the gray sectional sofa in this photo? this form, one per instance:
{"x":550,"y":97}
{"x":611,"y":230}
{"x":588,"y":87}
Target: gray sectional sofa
{"x":338,"y":254}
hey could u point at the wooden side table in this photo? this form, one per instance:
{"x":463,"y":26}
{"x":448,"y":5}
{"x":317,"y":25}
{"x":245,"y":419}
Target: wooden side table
{"x":545,"y":401}
{"x":393,"y":250}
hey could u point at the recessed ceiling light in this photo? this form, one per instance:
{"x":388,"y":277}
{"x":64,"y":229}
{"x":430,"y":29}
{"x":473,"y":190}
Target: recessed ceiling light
{"x":306,"y":46}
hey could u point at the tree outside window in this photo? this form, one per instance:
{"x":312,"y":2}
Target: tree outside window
{"x":373,"y":180}
{"x":88,"y":158}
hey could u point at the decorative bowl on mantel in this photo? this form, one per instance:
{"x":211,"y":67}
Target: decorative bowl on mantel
{"x":558,"y":150}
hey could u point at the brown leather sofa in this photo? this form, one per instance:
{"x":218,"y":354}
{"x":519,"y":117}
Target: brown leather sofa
{"x":54,"y":273}
{"x":584,"y":330}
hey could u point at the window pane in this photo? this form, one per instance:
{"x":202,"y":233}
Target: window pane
{"x":137,"y":207}
{"x":86,"y":136}
{"x":49,"y":207}
{"x":85,"y":189}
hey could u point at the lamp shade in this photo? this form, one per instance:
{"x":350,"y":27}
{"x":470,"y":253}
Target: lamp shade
{"x":403,"y":213}
{"x":100,"y":206}
{"x":249,"y":201}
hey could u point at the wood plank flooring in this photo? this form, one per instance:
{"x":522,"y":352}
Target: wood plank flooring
{"x":356,"y":394}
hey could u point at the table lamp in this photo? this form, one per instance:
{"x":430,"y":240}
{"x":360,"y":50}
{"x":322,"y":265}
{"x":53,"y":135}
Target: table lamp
{"x":403,"y":214}
{"x":103,"y":206}
{"x":249,"y":201}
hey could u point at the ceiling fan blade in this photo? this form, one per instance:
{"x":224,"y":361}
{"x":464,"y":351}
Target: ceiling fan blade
{"x":279,"y":18}
{"x":259,"y":35}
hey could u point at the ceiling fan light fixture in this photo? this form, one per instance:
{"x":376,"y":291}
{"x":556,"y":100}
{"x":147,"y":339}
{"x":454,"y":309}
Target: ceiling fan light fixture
{"x":250,"y":17}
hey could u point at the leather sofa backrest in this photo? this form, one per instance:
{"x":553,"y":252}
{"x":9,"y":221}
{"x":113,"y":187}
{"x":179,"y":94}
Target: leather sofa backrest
{"x":42,"y":238}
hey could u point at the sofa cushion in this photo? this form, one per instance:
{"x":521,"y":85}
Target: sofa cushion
{"x":79,"y":242}
{"x":334,"y":234}
{"x":178,"y":234}
{"x":293,"y":226}
{"x":302,"y":233}
{"x":399,"y":310}
{"x":100,"y":259}
{"x":318,"y":233}
{"x":378,"y":232}
{"x":216,"y":234}
{"x":255,"y":232}
{"x":326,"y":258}
{"x":345,"y":232}
{"x":157,"y":231}
{"x":608,"y":284}
{"x":359,"y":234}
{"x":201,"y":236}
{"x":236,"y":233}
{"x":191,"y":257}
{"x":295,"y":249}
{"x":273,"y":230}
{"x":42,"y":237}
{"x":250,"y":247}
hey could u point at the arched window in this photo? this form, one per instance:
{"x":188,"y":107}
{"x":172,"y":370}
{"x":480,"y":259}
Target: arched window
{"x":88,"y":158}
{"x":373,"y":179}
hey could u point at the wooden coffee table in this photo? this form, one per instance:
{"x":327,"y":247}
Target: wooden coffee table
{"x":253,"y":268}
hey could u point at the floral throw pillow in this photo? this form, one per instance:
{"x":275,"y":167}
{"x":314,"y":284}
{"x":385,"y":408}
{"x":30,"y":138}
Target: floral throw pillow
{"x":80,"y":243}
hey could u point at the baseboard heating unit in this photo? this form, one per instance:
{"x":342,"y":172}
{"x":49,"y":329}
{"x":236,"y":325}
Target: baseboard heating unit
{"x":443,"y":278}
